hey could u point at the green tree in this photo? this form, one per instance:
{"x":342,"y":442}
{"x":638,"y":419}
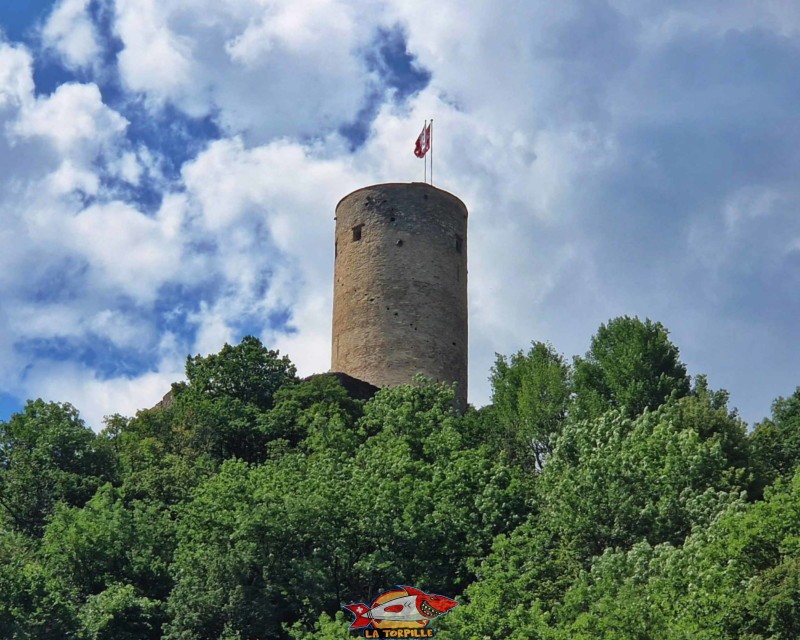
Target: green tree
{"x":254,"y":505}
{"x":157,"y":462}
{"x":318,"y":413}
{"x":217,"y":413}
{"x":631,"y":365}
{"x":526,"y":573}
{"x":776,"y":442}
{"x":257,"y":546}
{"x":111,"y":541}
{"x":328,"y":627}
{"x":32,"y":604}
{"x":611,"y":482}
{"x":47,"y":455}
{"x":248,"y":372}
{"x":530,"y":396}
{"x":439,"y":500}
{"x":267,"y":545}
{"x":737,"y":578}
{"x":119,"y":613}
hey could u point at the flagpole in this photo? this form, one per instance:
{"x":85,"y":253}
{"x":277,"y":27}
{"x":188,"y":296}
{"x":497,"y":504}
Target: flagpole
{"x":431,"y":143}
{"x":424,"y":128}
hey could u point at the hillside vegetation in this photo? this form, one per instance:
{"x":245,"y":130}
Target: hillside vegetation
{"x":612,"y":496}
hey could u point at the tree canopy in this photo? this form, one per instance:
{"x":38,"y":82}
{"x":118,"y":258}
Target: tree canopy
{"x":605,"y":497}
{"x":631,"y":365}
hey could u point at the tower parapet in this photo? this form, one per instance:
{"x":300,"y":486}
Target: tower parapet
{"x":400,"y":286}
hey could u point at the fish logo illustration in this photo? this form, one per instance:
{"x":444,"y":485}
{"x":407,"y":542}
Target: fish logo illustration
{"x":399,"y":613}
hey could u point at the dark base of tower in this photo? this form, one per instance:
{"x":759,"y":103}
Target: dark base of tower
{"x":356,"y":389}
{"x":362,"y":390}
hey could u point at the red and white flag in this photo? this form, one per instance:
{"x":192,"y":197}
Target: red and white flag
{"x":423,"y":142}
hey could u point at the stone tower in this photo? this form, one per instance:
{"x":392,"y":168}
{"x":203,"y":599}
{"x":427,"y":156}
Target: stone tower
{"x":400,"y":286}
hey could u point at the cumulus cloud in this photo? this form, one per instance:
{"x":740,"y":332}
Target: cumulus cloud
{"x":616,"y":157}
{"x":97,"y":396}
{"x":70,"y":31}
{"x":74,"y":120}
{"x":72,"y":253}
{"x":154,"y":59}
{"x":262,"y":69}
{"x":16,"y":76}
{"x":130,"y":252}
{"x":272,"y":235}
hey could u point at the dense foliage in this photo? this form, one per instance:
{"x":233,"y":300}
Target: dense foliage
{"x":604,"y":498}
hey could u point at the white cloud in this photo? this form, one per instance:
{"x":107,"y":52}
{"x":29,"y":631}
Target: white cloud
{"x":97,"y":397}
{"x":73,"y":119}
{"x":154,"y":60}
{"x":69,"y":178}
{"x":63,"y":321}
{"x":263,"y":69}
{"x":128,"y":168}
{"x":213,"y":330}
{"x":16,"y":76}
{"x":273,"y":236}
{"x":297,"y":27}
{"x":65,"y":266}
{"x":70,"y":31}
{"x":310,"y":347}
{"x":129,"y":251}
{"x":748,"y":203}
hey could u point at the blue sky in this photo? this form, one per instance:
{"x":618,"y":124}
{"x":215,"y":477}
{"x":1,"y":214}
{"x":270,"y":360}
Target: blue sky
{"x":169,"y":173}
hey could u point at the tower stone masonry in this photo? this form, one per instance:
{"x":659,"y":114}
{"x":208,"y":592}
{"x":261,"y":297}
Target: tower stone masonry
{"x":400,"y":286}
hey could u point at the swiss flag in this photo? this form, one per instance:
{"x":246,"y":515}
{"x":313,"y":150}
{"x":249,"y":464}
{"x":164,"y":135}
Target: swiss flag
{"x":423,"y":142}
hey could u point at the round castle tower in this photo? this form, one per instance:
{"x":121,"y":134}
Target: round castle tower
{"x":400,"y":286}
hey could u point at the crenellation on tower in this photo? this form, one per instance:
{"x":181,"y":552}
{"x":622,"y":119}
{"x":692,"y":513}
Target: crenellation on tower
{"x":400,"y":286}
